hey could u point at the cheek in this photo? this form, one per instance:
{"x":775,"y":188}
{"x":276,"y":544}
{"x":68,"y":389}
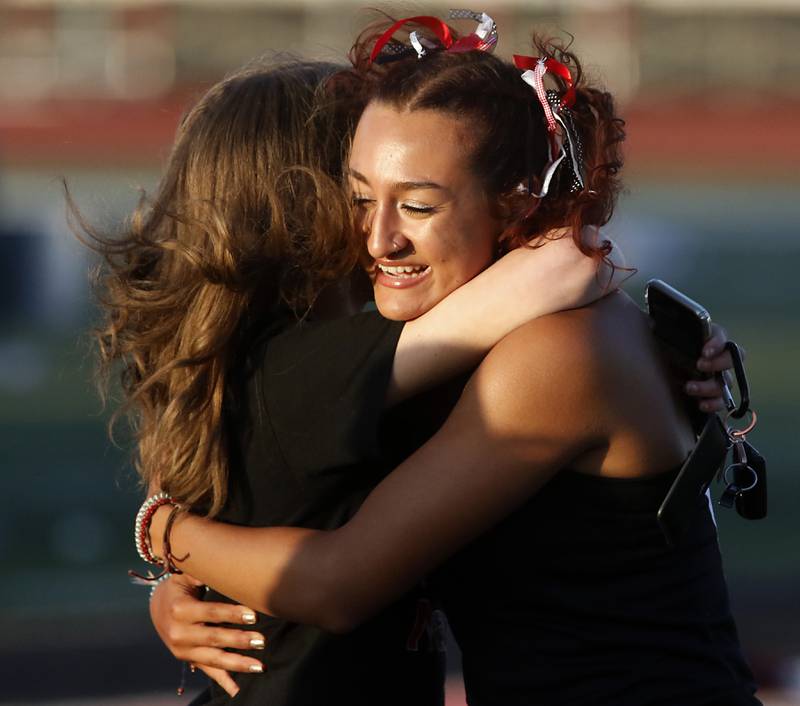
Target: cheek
{"x":471,"y":254}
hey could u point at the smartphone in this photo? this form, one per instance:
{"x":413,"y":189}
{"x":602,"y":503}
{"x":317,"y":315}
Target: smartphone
{"x":680,"y":323}
{"x":682,"y":326}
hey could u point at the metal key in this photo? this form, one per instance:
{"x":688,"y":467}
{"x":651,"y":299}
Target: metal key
{"x":739,"y":477}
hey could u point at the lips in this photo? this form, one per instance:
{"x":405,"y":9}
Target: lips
{"x":401,"y":276}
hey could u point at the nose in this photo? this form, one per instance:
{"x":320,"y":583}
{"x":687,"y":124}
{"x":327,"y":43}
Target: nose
{"x":384,"y":237}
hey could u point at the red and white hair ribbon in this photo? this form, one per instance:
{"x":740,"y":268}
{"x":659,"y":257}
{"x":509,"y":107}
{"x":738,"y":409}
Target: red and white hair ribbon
{"x":483,"y":39}
{"x":439,"y":28}
{"x":535,"y":79}
{"x":535,"y":69}
{"x":545,"y":64}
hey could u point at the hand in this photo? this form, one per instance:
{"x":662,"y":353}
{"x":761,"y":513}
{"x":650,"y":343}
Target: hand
{"x":185,"y":625}
{"x":715,"y":359}
{"x":558,"y":276}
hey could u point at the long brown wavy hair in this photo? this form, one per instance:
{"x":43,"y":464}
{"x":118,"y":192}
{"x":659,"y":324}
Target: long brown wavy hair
{"x":507,"y":123}
{"x":248,"y":224}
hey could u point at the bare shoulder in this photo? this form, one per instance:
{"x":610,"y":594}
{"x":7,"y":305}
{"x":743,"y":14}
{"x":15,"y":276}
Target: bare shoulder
{"x":582,"y":381}
{"x":571,"y":333}
{"x":568,"y":345}
{"x":541,"y":381}
{"x":566,"y":364}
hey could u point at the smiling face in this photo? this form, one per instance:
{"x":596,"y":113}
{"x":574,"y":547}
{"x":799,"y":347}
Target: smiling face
{"x":427,"y":217}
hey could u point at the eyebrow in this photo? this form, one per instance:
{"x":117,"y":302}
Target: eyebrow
{"x":400,"y":185}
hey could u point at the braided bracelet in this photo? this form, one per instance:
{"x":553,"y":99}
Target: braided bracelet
{"x":169,"y":558}
{"x":141,"y":527}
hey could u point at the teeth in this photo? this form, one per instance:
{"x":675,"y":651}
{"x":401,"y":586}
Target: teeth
{"x":403,"y":270}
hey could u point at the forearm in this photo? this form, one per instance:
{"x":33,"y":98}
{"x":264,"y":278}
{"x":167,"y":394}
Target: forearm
{"x":454,"y":336}
{"x":525,"y":284}
{"x":283,"y":571}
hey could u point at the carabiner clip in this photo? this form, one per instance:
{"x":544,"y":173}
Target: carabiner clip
{"x":741,"y":381}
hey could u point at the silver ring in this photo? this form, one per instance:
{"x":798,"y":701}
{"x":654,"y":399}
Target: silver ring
{"x":749,"y":487}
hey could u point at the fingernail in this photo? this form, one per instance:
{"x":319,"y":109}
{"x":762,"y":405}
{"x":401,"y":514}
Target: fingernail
{"x":256,"y":668}
{"x":709,"y":352}
{"x":257,"y":643}
{"x":248,"y":617}
{"x":691,"y":387}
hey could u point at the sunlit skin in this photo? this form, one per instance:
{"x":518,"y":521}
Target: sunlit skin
{"x":422,"y":205}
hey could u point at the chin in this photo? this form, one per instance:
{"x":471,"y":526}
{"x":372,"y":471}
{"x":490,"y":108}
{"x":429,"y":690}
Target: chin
{"x":393,"y":315}
{"x":390,"y":308}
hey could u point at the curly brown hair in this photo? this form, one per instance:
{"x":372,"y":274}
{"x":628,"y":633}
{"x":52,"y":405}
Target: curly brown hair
{"x":248,"y":224}
{"x":507,"y":121}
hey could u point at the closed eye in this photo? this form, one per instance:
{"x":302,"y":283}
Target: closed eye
{"x":362,"y":201}
{"x":416,"y":210}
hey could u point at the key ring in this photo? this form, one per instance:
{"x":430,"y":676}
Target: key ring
{"x":741,"y":433}
{"x":741,"y":490}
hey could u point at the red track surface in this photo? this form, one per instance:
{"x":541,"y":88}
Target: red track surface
{"x":713,"y":136}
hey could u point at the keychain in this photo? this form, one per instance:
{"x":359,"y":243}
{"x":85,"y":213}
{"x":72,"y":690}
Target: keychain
{"x":739,"y":477}
{"x":746,"y":478}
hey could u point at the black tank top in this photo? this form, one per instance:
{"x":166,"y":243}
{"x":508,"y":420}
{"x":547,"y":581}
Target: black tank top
{"x":308,"y":455}
{"x":577,"y":599}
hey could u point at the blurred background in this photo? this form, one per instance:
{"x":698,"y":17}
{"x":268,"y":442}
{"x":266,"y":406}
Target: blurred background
{"x":92,"y":90}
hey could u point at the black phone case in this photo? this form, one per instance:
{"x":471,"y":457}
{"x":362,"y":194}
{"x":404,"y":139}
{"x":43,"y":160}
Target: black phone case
{"x":681,"y":326}
{"x":681,"y":504}
{"x":680,"y":323}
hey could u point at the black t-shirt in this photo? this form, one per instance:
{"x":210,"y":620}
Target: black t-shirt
{"x":308,"y":455}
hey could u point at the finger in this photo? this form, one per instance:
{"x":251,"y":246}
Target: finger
{"x":192,"y":610}
{"x":704,"y":388}
{"x":213,"y":636}
{"x":720,"y":362}
{"x":222,"y":678}
{"x":714,"y":405}
{"x":220,"y":659}
{"x":716,"y":342}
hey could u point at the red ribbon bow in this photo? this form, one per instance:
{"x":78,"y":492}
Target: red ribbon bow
{"x":440,"y":29}
{"x":554,"y":66}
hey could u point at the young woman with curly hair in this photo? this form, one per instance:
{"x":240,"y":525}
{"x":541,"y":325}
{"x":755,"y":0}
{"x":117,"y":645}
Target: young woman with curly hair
{"x":540,"y":489}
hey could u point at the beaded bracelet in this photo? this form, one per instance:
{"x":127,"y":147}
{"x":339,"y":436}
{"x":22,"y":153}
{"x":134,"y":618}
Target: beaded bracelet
{"x":155,"y":583}
{"x":141,"y":527}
